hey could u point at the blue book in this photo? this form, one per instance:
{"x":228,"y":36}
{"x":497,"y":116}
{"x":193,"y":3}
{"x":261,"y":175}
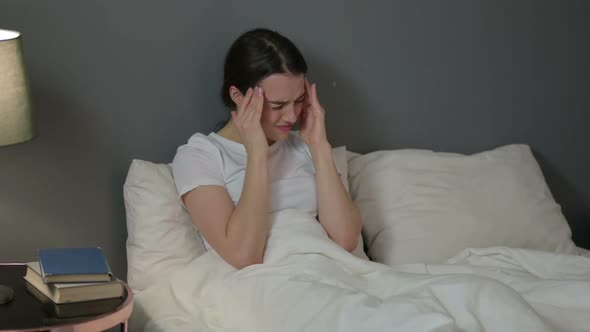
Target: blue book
{"x":62,"y":265}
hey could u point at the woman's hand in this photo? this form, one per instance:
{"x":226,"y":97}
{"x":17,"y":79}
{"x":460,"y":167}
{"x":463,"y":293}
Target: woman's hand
{"x":313,"y":118}
{"x":247,"y":119}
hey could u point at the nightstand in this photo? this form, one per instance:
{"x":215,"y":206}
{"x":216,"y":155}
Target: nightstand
{"x":26,"y":313}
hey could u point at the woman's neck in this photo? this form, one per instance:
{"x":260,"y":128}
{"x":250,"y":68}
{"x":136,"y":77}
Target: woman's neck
{"x":230,"y":132}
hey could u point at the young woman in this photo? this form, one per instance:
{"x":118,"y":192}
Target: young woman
{"x":231,"y":180}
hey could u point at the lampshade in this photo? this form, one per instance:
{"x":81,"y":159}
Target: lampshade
{"x":16,"y":119}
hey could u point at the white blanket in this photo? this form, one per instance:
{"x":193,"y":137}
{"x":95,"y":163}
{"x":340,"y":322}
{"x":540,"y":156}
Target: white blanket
{"x":308,"y":283}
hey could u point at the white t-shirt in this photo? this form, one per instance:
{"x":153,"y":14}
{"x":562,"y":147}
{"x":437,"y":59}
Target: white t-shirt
{"x":215,"y":160}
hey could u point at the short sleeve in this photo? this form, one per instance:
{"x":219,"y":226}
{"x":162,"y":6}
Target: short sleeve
{"x":197,"y":163}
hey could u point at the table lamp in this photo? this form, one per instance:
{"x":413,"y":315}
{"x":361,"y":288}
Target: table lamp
{"x":16,"y":119}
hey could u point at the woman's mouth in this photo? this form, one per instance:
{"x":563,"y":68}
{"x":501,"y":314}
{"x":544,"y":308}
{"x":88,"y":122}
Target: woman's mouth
{"x":285,"y":128}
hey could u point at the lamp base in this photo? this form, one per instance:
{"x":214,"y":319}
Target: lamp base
{"x":6,"y":294}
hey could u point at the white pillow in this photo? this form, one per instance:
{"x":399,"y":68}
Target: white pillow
{"x":160,"y":234}
{"x":420,"y":206}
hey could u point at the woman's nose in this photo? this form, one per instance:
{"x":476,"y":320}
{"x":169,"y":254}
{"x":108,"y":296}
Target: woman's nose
{"x":290,"y":113}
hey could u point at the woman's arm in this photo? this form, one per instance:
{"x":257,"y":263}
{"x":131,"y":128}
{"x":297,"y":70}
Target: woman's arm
{"x":238,"y":234}
{"x":337,"y":213}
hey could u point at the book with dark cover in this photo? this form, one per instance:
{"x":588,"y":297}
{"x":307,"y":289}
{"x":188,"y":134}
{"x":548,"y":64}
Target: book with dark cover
{"x":61,"y":265}
{"x":74,"y":309}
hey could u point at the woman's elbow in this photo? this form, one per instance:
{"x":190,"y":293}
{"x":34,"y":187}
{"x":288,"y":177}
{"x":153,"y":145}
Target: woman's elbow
{"x":244,"y":260}
{"x":349,"y":242}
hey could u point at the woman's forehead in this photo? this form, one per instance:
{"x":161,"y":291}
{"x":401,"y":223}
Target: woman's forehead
{"x":283,"y":86}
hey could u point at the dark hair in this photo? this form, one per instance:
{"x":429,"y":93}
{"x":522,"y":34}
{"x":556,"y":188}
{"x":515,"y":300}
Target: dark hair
{"x":255,"y":55}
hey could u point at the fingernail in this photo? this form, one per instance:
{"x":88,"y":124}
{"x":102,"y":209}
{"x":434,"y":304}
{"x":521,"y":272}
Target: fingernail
{"x":260,"y":91}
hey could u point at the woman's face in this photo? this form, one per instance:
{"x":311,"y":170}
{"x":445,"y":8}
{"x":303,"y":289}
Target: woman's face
{"x":284,"y":98}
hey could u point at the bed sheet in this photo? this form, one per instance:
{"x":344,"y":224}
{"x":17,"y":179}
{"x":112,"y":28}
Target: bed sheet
{"x":308,"y":283}
{"x":584,"y":252}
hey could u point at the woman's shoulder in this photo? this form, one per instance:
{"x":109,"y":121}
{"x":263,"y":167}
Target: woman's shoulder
{"x":198,"y":144}
{"x":199,"y":139}
{"x":197,"y":162}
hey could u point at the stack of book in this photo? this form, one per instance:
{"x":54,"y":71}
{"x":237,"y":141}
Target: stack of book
{"x":73,"y":275}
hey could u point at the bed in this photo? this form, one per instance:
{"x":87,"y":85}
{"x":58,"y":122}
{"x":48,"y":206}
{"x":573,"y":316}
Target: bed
{"x":450,"y":242}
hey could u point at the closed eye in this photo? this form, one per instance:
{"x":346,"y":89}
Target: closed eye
{"x":282,"y":104}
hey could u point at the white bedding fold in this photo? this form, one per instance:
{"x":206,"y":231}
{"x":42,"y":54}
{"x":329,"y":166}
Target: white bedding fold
{"x":308,"y":283}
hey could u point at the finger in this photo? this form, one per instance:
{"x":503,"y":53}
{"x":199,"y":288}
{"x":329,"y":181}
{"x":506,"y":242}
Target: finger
{"x":314,"y":94}
{"x":311,"y":94}
{"x":252,"y":109}
{"x":245,"y":101}
{"x":316,"y":107}
{"x":307,"y":91}
{"x":303,"y":110}
{"x":305,"y":114}
{"x":259,"y":102}
{"x":302,"y":121}
{"x":241,"y":110}
{"x":249,"y":112}
{"x":307,"y":109}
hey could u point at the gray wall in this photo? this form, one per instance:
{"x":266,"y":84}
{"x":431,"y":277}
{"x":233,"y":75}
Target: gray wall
{"x":116,"y":80}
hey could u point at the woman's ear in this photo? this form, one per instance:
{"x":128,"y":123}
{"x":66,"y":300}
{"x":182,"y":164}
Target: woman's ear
{"x":235,"y":95}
